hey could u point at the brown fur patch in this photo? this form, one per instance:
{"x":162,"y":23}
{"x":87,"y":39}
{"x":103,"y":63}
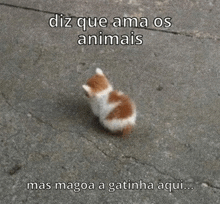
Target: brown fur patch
{"x":98,"y":83}
{"x":123,"y":110}
{"x":114,"y":96}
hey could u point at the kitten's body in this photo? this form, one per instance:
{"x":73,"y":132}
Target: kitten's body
{"x":115,"y":110}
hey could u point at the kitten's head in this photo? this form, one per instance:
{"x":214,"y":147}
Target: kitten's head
{"x":97,"y":85}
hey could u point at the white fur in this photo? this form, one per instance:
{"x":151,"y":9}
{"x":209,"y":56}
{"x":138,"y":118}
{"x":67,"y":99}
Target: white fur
{"x":119,"y":124}
{"x":99,"y":71}
{"x":99,"y":104}
{"x":86,"y":88}
{"x":105,"y":92}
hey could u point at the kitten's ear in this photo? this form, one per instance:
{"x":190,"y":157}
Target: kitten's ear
{"x":99,"y":71}
{"x":86,"y":88}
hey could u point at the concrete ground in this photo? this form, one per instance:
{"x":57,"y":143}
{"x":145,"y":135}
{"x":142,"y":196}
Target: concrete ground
{"x":52,"y":148}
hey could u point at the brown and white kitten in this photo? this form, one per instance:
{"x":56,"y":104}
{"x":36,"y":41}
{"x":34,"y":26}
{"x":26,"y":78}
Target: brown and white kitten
{"x":115,"y":110}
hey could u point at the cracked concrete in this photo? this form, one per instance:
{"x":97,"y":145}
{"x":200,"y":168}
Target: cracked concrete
{"x":48,"y":133}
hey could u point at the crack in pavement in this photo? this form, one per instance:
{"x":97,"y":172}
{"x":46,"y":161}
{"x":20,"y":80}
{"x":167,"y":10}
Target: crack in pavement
{"x":27,"y":8}
{"x":212,"y":186}
{"x":6,"y":100}
{"x":31,"y":113}
{"x":97,"y":147}
{"x":41,"y":121}
{"x":196,"y":35}
{"x":148,"y":164}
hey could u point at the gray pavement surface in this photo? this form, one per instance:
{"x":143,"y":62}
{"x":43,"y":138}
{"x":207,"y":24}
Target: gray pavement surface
{"x":49,"y":136}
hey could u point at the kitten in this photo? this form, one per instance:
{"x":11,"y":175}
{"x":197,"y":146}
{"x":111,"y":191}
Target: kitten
{"x":115,"y":110}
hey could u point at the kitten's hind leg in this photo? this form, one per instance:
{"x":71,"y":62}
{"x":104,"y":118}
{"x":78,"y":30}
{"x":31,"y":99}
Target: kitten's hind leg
{"x":126,"y":131}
